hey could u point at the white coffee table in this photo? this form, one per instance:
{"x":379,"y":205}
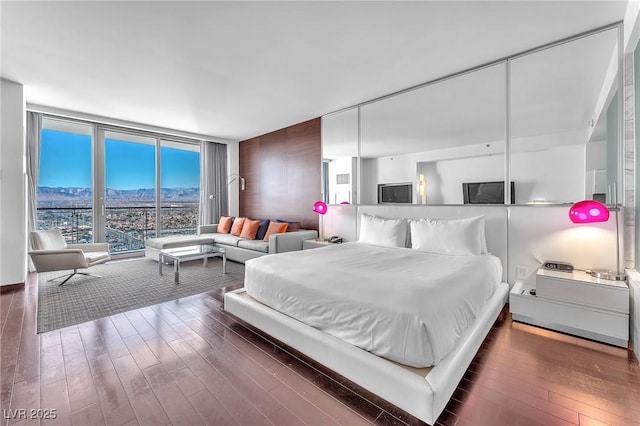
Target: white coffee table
{"x":183,"y":254}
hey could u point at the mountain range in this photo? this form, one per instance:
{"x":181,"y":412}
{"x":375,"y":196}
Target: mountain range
{"x":50,"y":196}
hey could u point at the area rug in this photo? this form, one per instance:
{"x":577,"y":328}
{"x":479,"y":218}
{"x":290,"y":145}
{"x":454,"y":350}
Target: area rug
{"x":125,"y":285}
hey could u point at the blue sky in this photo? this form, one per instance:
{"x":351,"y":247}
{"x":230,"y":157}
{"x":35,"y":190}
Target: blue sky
{"x":65,"y":161}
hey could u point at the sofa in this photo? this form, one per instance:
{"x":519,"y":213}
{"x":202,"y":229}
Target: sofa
{"x":237,"y":249}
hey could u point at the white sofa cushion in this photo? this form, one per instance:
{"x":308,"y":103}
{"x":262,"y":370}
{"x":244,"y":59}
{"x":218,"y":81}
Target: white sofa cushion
{"x":226,"y":239}
{"x":177,"y":241}
{"x":255,"y":245}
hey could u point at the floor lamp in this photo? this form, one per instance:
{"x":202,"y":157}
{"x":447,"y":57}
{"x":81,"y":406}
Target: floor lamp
{"x":591,"y":211}
{"x":320,"y":207}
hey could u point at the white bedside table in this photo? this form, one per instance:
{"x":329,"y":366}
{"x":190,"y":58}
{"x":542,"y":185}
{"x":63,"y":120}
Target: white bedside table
{"x":575,"y":303}
{"x":311,"y":244}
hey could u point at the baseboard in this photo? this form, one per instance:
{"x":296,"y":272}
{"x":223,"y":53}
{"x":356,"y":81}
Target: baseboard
{"x":11,"y":287}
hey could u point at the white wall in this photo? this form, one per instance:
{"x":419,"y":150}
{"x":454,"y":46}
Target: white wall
{"x":13,"y":228}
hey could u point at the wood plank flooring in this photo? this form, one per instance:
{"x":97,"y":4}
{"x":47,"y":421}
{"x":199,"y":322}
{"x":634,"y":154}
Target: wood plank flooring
{"x":187,"y":362}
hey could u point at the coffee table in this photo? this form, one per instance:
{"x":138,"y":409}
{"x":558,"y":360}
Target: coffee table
{"x":183,"y":254}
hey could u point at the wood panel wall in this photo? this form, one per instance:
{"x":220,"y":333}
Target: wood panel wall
{"x":282,"y":172}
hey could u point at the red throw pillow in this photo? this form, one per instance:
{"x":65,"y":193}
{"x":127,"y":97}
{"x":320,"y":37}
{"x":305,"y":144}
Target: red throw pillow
{"x":249,"y":229}
{"x":275,"y":228}
{"x":236,"y":229}
{"x":224,"y":226}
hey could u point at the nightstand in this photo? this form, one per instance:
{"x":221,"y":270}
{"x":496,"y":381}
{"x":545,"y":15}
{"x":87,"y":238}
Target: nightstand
{"x":311,"y":244}
{"x":574,"y":303}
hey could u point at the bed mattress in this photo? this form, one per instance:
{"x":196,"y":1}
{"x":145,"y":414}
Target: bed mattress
{"x":401,"y":304}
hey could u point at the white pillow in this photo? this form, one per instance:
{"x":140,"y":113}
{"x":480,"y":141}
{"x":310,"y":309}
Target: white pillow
{"x":383,"y":232}
{"x":459,"y":236}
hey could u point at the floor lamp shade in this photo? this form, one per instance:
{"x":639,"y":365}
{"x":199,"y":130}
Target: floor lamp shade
{"x":320,"y":207}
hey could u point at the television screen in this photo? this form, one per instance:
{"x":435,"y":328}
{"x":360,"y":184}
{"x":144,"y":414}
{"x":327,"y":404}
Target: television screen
{"x":486,"y":192}
{"x":395,"y":193}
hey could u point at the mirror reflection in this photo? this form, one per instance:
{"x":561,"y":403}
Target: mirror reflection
{"x":444,"y":142}
{"x":564,"y":121}
{"x":340,"y":157}
{"x":424,"y":145}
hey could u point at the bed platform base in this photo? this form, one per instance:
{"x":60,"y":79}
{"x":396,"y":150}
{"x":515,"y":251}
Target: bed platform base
{"x":423,"y":396}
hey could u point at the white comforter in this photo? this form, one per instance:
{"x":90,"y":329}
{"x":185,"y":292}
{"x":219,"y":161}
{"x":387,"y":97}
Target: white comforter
{"x":401,"y":304}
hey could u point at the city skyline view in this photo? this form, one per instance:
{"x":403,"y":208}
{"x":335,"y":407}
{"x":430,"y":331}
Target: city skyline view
{"x":65,"y":197}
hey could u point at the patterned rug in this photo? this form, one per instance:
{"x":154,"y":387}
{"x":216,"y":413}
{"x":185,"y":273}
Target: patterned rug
{"x":125,"y":285}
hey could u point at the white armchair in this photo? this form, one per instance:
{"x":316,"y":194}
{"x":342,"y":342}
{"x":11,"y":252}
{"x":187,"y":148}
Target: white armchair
{"x":50,"y":252}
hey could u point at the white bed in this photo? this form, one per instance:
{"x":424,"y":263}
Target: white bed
{"x":402,"y":304}
{"x":422,"y":392}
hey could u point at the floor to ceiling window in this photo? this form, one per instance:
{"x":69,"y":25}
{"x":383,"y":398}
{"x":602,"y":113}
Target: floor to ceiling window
{"x":98,"y":183}
{"x":179,"y":187}
{"x":130,"y":190}
{"x":65,"y":183}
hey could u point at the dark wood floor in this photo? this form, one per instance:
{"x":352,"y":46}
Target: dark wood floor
{"x":188,"y":362}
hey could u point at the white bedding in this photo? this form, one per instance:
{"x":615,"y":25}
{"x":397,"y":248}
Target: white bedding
{"x":402,"y":304}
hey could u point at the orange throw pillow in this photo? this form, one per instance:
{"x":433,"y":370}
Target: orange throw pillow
{"x":249,"y":229}
{"x":236,"y":229}
{"x":275,"y":228}
{"x":225,"y":225}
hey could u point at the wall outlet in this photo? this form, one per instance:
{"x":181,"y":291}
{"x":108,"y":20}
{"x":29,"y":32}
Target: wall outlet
{"x":521,"y":272}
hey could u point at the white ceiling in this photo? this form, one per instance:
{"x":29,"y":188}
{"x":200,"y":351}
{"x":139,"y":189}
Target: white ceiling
{"x":236,"y":70}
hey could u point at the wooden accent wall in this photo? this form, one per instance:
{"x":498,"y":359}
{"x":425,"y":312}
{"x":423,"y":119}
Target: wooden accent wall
{"x":282,"y":172}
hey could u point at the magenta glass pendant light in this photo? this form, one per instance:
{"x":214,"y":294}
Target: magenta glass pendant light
{"x":588,"y":211}
{"x":320,"y":207}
